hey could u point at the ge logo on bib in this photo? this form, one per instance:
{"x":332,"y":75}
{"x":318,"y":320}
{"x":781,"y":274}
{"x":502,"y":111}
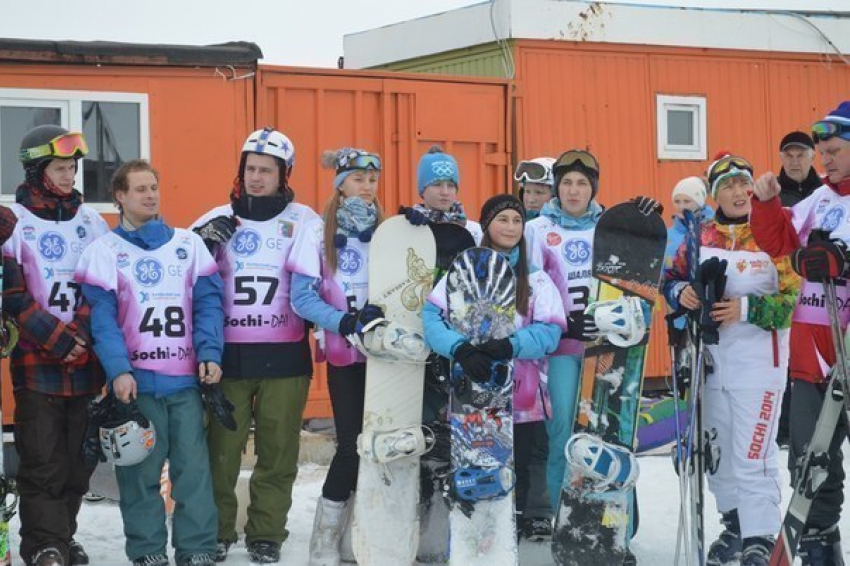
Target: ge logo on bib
{"x":577,"y":252}
{"x":350,"y":261}
{"x":52,"y":246}
{"x":245,"y":243}
{"x":833,"y":219}
{"x":147,"y":271}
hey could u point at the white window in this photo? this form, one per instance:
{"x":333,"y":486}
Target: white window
{"x":115,"y":125}
{"x":682,"y":131}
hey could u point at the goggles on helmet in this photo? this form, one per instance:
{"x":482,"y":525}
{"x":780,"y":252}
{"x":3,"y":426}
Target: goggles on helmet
{"x":358,"y":160}
{"x":568,"y":158}
{"x":533,"y":172}
{"x":726,"y":165}
{"x":823,"y":130}
{"x":66,"y":146}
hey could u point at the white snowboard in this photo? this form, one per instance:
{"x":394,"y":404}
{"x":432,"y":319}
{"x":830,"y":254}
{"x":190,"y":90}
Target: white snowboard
{"x":385,"y":530}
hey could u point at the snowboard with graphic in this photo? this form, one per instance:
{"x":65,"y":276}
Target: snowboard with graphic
{"x":385,"y":528}
{"x":481,"y":304}
{"x":451,"y":239}
{"x":8,"y":492}
{"x":592,"y":521}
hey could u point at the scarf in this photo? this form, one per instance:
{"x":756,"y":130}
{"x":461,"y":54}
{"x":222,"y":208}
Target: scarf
{"x":454,"y":215}
{"x":552,"y":210}
{"x":48,"y":205}
{"x":355,"y":218}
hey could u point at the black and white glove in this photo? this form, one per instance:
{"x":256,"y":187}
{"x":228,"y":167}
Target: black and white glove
{"x":476,"y":364}
{"x":415,"y":217}
{"x":217,"y":231}
{"x":647,"y":205}
{"x":499,"y":349}
{"x":581,"y":326}
{"x":353,"y":322}
{"x":218,"y":404}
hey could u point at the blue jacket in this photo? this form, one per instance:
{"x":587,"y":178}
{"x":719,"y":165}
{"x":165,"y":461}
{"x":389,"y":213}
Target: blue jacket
{"x":207,"y":319}
{"x":311,"y":306}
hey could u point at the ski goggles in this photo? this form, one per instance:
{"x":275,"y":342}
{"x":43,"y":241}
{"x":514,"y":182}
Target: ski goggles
{"x":66,"y":146}
{"x":823,"y":130}
{"x":533,"y":172}
{"x":569,"y":158}
{"x":358,"y":160}
{"x":728,"y":164}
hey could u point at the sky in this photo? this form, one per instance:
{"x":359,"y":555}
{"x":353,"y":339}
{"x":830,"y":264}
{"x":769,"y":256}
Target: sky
{"x":290,"y":32}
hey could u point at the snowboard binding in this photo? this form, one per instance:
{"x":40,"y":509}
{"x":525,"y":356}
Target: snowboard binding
{"x":621,"y":321}
{"x":383,"y":447}
{"x":471,"y":484}
{"x":387,"y":340}
{"x":8,"y":489}
{"x":607,"y":466}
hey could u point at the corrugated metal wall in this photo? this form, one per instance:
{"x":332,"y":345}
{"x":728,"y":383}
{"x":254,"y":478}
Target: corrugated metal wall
{"x":602,"y":97}
{"x":397,"y":116}
{"x":478,"y":61}
{"x":194,"y":140}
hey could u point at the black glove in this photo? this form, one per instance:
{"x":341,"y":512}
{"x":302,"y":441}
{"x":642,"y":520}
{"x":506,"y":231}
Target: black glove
{"x":98,"y":413}
{"x":710,"y":285}
{"x":498,"y":349}
{"x":476,"y":364}
{"x":221,"y":408}
{"x":353,"y":322}
{"x":415,"y":217}
{"x":821,"y":260}
{"x":648,"y":205}
{"x":217,"y":231}
{"x":581,"y":326}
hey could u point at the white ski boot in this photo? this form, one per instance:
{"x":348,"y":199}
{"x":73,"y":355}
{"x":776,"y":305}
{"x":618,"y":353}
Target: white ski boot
{"x":607,"y":465}
{"x":331,"y":517}
{"x":382,"y":447}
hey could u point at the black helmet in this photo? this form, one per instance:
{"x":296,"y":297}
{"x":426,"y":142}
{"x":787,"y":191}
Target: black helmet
{"x":44,"y":143}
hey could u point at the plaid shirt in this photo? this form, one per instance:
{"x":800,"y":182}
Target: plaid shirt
{"x":36,"y":362}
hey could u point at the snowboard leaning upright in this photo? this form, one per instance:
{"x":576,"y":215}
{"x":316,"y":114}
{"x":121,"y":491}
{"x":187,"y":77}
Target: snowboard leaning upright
{"x":451,"y":239}
{"x":481,"y":304}
{"x":592,"y":521}
{"x":385,"y":529}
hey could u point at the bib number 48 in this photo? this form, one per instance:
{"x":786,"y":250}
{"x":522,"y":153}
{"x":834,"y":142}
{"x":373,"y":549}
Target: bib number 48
{"x":172,"y":323}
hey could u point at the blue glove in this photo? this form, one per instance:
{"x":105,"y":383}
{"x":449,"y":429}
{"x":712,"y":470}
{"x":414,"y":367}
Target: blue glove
{"x":415,"y":217}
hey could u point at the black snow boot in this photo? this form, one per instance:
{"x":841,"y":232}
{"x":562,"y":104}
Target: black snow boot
{"x":264,"y":551}
{"x":221,"y":549}
{"x":77,"y":554}
{"x":202,"y":559}
{"x":151,"y":560}
{"x":630,"y":559}
{"x":49,"y":556}
{"x":728,"y":546}
{"x":821,"y":547}
{"x":537,"y":529}
{"x":757,"y":551}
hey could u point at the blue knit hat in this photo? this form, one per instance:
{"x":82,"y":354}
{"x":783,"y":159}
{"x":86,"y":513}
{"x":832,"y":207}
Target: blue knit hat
{"x":436,"y":166}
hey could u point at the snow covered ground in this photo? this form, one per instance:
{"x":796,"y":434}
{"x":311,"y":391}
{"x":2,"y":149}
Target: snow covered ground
{"x":101,"y":529}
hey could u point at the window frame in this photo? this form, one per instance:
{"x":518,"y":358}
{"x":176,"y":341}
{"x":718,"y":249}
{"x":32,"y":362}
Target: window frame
{"x":72,"y":119}
{"x":697,"y":105}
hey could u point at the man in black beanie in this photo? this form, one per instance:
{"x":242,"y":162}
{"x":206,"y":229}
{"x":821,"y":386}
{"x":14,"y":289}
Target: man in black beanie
{"x":797,"y":177}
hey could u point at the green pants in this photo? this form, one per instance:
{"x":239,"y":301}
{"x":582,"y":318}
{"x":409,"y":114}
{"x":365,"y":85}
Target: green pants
{"x":179,"y":423}
{"x":278,"y":406}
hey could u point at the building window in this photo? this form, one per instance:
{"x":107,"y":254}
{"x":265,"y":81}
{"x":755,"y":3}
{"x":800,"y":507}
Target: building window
{"x":682,"y":132}
{"x":115,"y":126}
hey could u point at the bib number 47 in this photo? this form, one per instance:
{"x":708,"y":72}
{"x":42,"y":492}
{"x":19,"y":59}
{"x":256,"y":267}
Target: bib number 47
{"x":61,"y":294}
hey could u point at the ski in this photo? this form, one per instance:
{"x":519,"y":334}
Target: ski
{"x":813,"y":470}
